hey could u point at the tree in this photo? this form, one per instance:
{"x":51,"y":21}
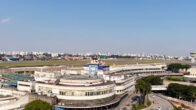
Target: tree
{"x":180,"y":91}
{"x":144,"y":88}
{"x":38,"y":105}
{"x":186,"y":66}
{"x":153,"y":80}
{"x":174,"y":67}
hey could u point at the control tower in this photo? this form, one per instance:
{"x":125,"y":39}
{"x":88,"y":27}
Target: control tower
{"x":193,"y":57}
{"x":96,"y":67}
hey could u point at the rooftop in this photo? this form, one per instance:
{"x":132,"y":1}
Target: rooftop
{"x":79,"y":77}
{"x":64,"y":85}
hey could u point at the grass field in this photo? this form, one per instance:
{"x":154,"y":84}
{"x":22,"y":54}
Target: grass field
{"x":42,"y":63}
{"x":83,"y":62}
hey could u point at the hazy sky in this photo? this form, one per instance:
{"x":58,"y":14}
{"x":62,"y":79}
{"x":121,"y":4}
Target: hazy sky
{"x":117,"y":26}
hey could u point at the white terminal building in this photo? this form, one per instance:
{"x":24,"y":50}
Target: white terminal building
{"x":96,"y":86}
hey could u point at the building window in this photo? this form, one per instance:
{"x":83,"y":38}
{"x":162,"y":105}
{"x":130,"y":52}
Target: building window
{"x":62,"y":93}
{"x":24,"y":85}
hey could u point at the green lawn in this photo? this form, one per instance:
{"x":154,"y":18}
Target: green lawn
{"x":42,"y":63}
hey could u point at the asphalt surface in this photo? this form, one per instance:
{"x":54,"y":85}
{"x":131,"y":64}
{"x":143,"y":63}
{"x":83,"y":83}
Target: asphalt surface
{"x":159,"y":102}
{"x":126,"y":103}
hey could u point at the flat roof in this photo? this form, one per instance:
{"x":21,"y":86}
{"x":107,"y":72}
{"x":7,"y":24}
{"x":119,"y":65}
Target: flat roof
{"x":79,"y":77}
{"x":112,"y":74}
{"x":64,"y":85}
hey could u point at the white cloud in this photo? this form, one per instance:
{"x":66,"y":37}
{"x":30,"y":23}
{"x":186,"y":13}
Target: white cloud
{"x":5,"y":20}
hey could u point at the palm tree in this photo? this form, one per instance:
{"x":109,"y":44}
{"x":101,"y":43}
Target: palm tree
{"x":144,"y":88}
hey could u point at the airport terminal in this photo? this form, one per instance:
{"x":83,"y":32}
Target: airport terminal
{"x":96,"y":86}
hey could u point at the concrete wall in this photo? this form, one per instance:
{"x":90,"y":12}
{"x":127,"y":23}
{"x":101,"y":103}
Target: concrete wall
{"x":192,"y":71}
{"x":11,"y":92}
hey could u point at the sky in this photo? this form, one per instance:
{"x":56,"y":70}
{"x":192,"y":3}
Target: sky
{"x":166,"y":27}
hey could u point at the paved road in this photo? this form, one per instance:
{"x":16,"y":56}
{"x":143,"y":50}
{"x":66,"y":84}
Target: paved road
{"x":166,"y":83}
{"x":159,"y":102}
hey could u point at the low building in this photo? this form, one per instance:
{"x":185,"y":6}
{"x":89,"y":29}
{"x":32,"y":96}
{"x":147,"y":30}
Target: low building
{"x":27,"y":86}
{"x":192,"y":76}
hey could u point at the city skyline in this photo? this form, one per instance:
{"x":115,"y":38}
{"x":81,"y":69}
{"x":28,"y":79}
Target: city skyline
{"x":163,"y":27}
{"x":86,"y":53}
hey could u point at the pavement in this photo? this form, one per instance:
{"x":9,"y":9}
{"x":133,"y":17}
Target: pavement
{"x":16,"y":104}
{"x":126,"y":103}
{"x":159,"y":102}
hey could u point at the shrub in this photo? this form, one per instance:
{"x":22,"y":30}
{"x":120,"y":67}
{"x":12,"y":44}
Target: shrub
{"x":38,"y":105}
{"x":174,"y":78}
{"x":177,"y":108}
{"x":140,"y":106}
{"x":148,"y":103}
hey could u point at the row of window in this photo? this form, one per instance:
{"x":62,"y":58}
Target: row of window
{"x":125,"y":83}
{"x":24,"y":85}
{"x":134,"y":70}
{"x":98,"y":93}
{"x":125,"y":89}
{"x":85,"y":93}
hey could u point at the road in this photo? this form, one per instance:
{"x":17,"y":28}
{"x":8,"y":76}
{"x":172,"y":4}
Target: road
{"x":166,"y":82}
{"x":157,"y":101}
{"x":126,"y":103}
